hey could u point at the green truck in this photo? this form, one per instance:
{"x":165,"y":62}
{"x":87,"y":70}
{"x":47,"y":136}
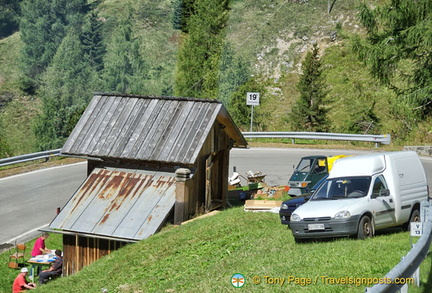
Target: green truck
{"x":309,"y":171}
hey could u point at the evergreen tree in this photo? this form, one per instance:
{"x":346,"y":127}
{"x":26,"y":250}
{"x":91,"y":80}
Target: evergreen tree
{"x":200,"y":53}
{"x":92,"y":41}
{"x":397,"y":50}
{"x":182,"y":10}
{"x":68,"y":86}
{"x":9,"y":17}
{"x":125,"y":68}
{"x":309,"y":112}
{"x":241,"y":113}
{"x":43,"y":26}
{"x":234,"y":72}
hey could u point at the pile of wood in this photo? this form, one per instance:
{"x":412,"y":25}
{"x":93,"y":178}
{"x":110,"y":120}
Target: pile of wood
{"x":254,"y":205}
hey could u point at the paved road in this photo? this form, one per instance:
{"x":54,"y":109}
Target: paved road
{"x":29,"y":201}
{"x":277,"y":163}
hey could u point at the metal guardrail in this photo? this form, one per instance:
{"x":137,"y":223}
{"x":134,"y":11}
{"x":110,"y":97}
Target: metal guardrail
{"x":29,"y":157}
{"x":383,"y":139}
{"x":411,"y":262}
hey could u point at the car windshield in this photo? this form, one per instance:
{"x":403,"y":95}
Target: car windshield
{"x":344,"y":187}
{"x":304,"y":165}
{"x":310,"y":164}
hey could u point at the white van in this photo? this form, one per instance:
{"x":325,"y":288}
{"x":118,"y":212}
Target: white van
{"x":363,"y":194}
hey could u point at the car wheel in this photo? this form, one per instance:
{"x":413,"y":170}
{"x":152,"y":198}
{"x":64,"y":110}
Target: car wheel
{"x":365,"y":228}
{"x":415,"y":217}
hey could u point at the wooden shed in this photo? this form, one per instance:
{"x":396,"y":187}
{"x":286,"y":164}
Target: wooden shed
{"x":149,"y":158}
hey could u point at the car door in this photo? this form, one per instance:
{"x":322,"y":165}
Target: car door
{"x":383,"y":203}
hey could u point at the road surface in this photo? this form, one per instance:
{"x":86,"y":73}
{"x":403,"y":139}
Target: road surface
{"x":29,"y":201}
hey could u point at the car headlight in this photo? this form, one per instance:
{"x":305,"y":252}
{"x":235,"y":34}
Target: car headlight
{"x":284,"y":206}
{"x":295,"y":218}
{"x":343,"y":215}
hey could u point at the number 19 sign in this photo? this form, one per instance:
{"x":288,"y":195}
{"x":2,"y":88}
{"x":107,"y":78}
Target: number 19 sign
{"x":252,"y":99}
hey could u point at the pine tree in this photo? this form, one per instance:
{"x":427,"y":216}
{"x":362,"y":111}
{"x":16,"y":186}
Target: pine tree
{"x":92,"y":41}
{"x":125,"y":68}
{"x":182,"y":10}
{"x":234,"y":72}
{"x":9,"y":17}
{"x":43,"y":26}
{"x":309,"y":111}
{"x":68,"y":86}
{"x":397,"y":50}
{"x":200,"y":53}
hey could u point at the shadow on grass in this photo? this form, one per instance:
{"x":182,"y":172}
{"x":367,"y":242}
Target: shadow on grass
{"x":386,"y":231}
{"x":427,"y":287}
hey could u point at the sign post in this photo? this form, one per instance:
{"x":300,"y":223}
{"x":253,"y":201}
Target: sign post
{"x":252,"y":99}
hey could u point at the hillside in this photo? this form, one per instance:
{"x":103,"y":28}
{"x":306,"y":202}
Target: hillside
{"x":273,"y":36}
{"x":203,"y":255}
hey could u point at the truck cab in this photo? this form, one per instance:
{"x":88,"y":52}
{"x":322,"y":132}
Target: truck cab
{"x":308,"y":172}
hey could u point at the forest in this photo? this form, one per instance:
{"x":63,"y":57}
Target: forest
{"x":328,"y":66}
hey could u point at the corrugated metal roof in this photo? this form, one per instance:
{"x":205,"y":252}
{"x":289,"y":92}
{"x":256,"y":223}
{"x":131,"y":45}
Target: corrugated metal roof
{"x":122,"y":203}
{"x":165,"y":129}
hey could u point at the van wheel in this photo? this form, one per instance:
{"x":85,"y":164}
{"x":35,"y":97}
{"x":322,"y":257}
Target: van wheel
{"x":365,"y":229}
{"x":415,"y":217}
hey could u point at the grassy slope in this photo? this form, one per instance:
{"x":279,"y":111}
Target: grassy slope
{"x":9,"y":48}
{"x":202,"y":255}
{"x":17,"y":116}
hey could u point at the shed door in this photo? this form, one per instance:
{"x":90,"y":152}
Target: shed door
{"x":208,"y":189}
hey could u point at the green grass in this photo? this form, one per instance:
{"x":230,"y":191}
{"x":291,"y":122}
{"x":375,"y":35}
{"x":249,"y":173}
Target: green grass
{"x":7,"y":275}
{"x":9,"y":73}
{"x":16,"y":110}
{"x":19,"y":134}
{"x":202,"y":255}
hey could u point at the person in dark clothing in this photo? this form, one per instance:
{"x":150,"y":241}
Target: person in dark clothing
{"x":55,"y":269}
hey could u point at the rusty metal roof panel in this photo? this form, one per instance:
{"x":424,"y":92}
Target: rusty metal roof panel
{"x":147,"y":128}
{"x":130,"y":204}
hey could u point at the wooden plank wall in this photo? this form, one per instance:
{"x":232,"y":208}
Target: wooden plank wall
{"x":217,"y":145}
{"x":79,"y":251}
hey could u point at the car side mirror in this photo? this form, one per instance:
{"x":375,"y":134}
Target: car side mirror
{"x":382,"y":192}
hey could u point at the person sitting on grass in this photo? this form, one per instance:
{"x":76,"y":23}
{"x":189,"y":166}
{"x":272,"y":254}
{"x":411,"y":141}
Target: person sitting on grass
{"x":21,"y":284}
{"x":54,"y":271}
